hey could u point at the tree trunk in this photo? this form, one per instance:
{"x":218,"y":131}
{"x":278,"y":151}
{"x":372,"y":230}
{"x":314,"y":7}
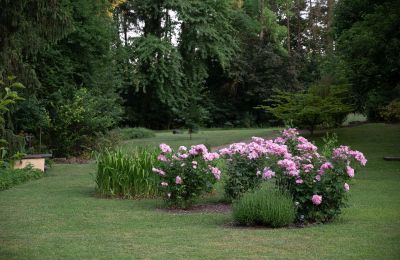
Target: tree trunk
{"x":329,"y":44}
{"x":261,"y":10}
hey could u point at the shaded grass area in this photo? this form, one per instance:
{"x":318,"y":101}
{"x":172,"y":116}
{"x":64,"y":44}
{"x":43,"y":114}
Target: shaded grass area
{"x":210,"y":138}
{"x":59,"y":216}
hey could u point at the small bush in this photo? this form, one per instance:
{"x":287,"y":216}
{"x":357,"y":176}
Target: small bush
{"x":266,"y":206}
{"x":391,"y":112}
{"x":186,"y":174}
{"x":134,"y":133}
{"x":240,"y":176}
{"x":126,"y":175}
{"x":10,"y":177}
{"x":318,"y":183}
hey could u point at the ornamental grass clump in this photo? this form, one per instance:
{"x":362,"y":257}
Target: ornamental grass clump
{"x":186,"y":174}
{"x":127,"y":175}
{"x":266,"y":206}
{"x":318,"y":183}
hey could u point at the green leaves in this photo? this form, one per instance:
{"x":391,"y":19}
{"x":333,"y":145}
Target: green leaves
{"x":126,"y":175}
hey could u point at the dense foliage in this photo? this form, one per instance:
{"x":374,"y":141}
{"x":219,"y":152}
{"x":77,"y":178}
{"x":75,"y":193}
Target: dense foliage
{"x":126,"y":175}
{"x":90,"y":66}
{"x":265,"y":206}
{"x":310,"y":109}
{"x":10,"y":177}
{"x":186,"y":174}
{"x":317,"y":182}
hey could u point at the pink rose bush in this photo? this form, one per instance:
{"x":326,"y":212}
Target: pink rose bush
{"x":317,"y":182}
{"x":186,"y":173}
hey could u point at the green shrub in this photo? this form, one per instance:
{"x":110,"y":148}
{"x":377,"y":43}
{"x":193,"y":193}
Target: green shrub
{"x":240,"y":176}
{"x":265,"y":206}
{"x":127,"y":175}
{"x":11,"y":177}
{"x":391,"y":112}
{"x":186,"y":173}
{"x":134,"y":133}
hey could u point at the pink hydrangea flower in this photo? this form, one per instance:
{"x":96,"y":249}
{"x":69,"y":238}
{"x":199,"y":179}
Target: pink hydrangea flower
{"x":350,"y":171}
{"x":178,"y":180}
{"x":279,"y":140}
{"x":215,"y":171}
{"x":359,"y":156}
{"x":165,"y":148}
{"x":316,"y":199}
{"x":164,"y":184}
{"x":346,"y":187}
{"x":318,"y":177}
{"x":198,"y":149}
{"x":290,"y":133}
{"x":194,"y":164}
{"x":183,"y":156}
{"x":290,"y":167}
{"x":210,"y":156}
{"x":182,"y":148}
{"x":299,"y":181}
{"x":162,"y":158}
{"x":325,"y":166}
{"x":267,"y":173}
{"x":308,"y":167}
{"x":307,"y":147}
{"x":225,"y":151}
{"x":159,"y":171}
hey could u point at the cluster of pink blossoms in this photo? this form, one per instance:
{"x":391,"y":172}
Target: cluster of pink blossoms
{"x":345,"y":153}
{"x":171,"y":159}
{"x":295,"y":156}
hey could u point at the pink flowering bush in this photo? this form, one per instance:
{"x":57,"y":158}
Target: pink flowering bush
{"x":317,"y":182}
{"x":186,"y":173}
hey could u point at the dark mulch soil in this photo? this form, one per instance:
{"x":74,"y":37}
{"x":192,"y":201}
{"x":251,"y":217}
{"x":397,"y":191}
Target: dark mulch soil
{"x":203,"y":208}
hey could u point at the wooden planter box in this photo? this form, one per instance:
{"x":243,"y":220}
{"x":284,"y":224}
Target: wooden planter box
{"x":37,"y":161}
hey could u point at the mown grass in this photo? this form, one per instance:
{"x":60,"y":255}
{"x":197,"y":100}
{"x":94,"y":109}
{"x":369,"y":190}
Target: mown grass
{"x":211,"y":138}
{"x":59,"y":217}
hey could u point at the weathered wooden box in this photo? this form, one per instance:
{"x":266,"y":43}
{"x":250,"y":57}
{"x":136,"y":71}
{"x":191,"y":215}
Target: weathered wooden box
{"x":37,"y":161}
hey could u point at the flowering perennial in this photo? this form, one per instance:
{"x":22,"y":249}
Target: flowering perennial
{"x":186,"y":173}
{"x":318,"y":183}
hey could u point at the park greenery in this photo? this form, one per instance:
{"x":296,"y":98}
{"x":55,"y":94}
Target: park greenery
{"x":204,"y":128}
{"x":91,"y":66}
{"x":60,"y":215}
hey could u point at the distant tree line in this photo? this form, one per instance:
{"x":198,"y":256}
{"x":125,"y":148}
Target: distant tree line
{"x":90,"y":65}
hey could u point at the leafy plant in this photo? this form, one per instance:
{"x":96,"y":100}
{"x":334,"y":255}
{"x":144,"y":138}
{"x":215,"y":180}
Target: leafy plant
{"x":11,"y":177}
{"x":318,"y":183}
{"x":240,"y":176}
{"x":265,"y":206}
{"x":391,"y":112}
{"x":309,"y":109}
{"x":186,"y":174}
{"x":126,"y":175}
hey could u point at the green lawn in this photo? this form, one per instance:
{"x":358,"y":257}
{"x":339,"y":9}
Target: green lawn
{"x":211,"y":138}
{"x":59,"y":217}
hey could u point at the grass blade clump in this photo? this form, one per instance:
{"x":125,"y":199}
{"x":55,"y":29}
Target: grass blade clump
{"x":126,"y":175}
{"x":266,"y":206}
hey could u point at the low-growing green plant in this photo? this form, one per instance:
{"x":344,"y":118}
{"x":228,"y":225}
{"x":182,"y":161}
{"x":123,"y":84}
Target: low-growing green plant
{"x":267,"y":206}
{"x":12,"y":177}
{"x":126,"y":175}
{"x":240,"y":176}
{"x":186,"y":173}
{"x":134,"y":133}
